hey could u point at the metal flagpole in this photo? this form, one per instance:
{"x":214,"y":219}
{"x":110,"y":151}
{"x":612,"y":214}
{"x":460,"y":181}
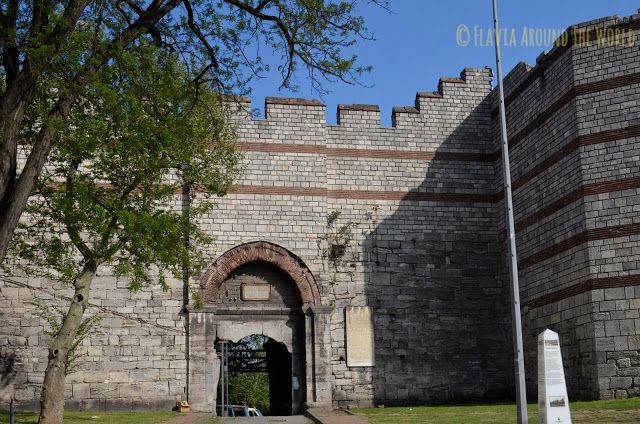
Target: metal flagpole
{"x":521,"y":391}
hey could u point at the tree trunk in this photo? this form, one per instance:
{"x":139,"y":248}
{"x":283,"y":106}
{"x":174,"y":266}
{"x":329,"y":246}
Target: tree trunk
{"x":14,"y":205}
{"x":52,"y":397}
{"x":12,"y":106}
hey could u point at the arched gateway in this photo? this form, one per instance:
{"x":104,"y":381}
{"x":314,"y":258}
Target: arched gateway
{"x":260,"y":288}
{"x":260,"y":251}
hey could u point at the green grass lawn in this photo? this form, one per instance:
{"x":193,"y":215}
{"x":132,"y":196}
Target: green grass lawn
{"x":96,"y":417}
{"x":600,"y":412}
{"x":597,"y":412}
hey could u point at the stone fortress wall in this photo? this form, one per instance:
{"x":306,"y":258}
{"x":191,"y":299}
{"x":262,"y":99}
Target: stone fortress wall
{"x":574,"y":122}
{"x":421,"y":194}
{"x":425,"y":201}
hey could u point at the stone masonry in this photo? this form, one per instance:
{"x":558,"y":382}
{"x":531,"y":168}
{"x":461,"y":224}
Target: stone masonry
{"x":574,"y":124}
{"x":422,"y":202}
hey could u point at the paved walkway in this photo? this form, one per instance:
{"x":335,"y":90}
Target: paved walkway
{"x":317,"y":416}
{"x":296,"y":419}
{"x":203,"y":418}
{"x":190,"y":418}
{"x":333,"y":417}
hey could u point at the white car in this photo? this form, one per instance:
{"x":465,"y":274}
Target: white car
{"x":242,"y":411}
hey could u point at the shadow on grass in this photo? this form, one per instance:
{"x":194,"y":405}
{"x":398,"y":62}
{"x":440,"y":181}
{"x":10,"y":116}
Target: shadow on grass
{"x":96,"y":417}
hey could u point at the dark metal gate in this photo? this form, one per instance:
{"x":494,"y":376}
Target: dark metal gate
{"x":236,"y":359}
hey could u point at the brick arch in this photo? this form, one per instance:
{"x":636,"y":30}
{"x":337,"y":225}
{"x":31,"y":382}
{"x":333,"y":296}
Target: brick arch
{"x":264,"y":252}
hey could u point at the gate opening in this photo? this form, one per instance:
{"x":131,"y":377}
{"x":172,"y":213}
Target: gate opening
{"x":257,"y":374}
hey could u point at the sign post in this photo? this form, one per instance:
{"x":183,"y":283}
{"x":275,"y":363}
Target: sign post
{"x":553,"y":402}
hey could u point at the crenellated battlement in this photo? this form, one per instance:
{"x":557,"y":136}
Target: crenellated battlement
{"x":464,"y":94}
{"x":358,"y":115}
{"x":458,"y":113}
{"x":469,"y":89}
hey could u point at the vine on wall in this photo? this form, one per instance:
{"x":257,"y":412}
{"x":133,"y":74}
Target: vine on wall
{"x":339,"y":248}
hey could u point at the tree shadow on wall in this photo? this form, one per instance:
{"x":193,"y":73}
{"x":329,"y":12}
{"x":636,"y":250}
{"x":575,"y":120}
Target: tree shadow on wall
{"x":435,"y":277}
{"x":8,"y":370}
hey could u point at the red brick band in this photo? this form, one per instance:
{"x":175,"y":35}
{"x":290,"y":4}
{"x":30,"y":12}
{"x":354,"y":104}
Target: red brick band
{"x":411,"y":195}
{"x":588,"y":190}
{"x":292,"y":101}
{"x":575,"y":195}
{"x":583,"y":287}
{"x":403,"y":109}
{"x":452,"y":80}
{"x":580,"y":141}
{"x":594,"y":87}
{"x":366,"y":153}
{"x":535,"y":123}
{"x":262,"y":251}
{"x":279,"y":190}
{"x":569,"y":148}
{"x":429,"y":95}
{"x":556,"y":53}
{"x":364,"y":194}
{"x":359,"y":107}
{"x":541,"y":118}
{"x":345,"y":194}
{"x":577,"y":240}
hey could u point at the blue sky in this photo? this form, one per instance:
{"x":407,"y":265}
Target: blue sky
{"x":417,"y":44}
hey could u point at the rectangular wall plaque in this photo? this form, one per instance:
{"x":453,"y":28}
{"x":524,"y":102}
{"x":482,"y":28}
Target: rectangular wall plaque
{"x":254,"y":291}
{"x":360,"y":342}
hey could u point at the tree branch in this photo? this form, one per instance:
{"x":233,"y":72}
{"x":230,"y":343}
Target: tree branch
{"x":284,"y":30}
{"x":69,"y":221}
{"x":10,"y":50}
{"x":262,"y":5}
{"x":114,"y":220}
{"x":39,"y":16}
{"x":193,"y":25}
{"x":153,"y":31}
{"x":60,"y":32}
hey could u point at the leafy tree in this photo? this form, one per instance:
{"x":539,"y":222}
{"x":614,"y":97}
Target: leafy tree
{"x":251,"y":389}
{"x":218,"y":41}
{"x":136,"y":138}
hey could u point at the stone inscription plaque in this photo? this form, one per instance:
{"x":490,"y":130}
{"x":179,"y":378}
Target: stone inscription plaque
{"x":360,"y":342}
{"x":252,"y":291}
